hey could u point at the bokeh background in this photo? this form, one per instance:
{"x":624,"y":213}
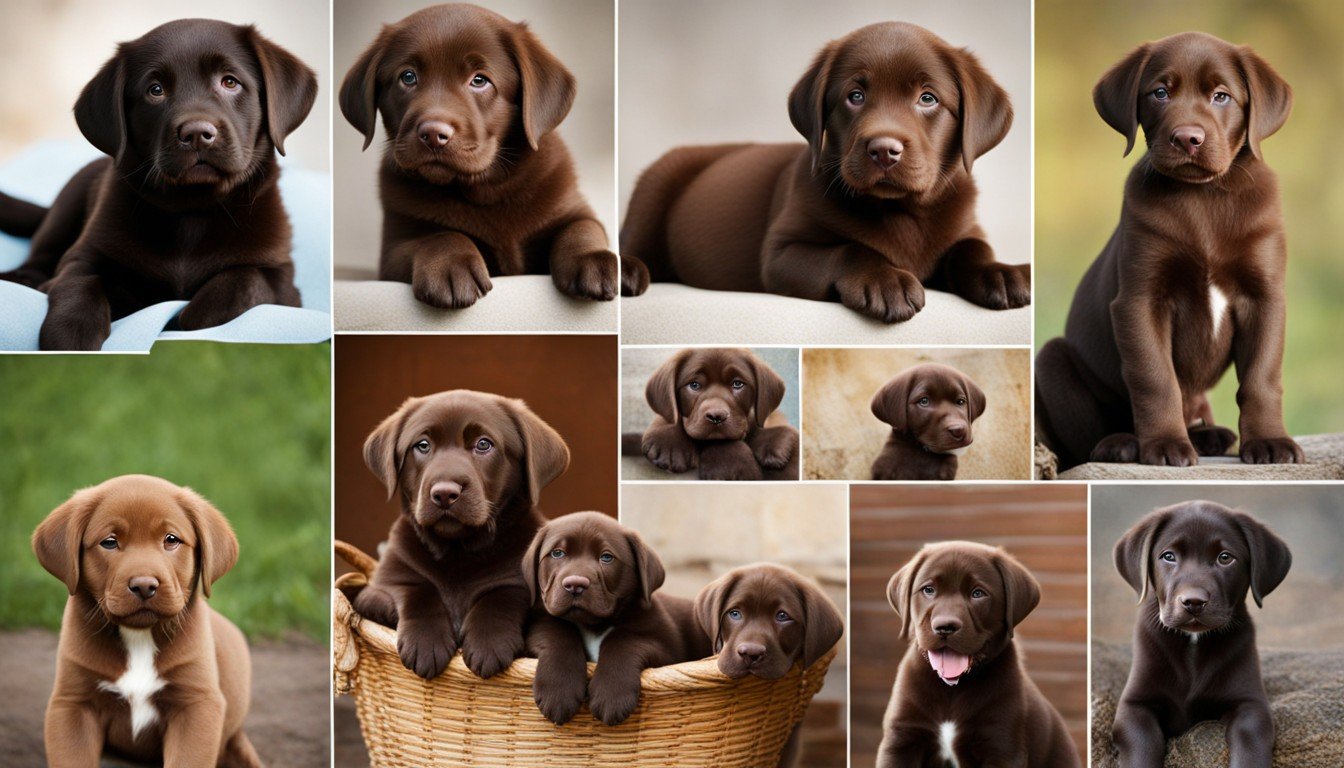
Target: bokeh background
{"x":702,"y":531}
{"x":581,"y":33}
{"x":247,"y":426}
{"x":1043,"y":525}
{"x":1080,"y":173}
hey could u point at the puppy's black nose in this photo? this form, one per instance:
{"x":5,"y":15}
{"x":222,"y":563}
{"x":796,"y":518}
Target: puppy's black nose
{"x":144,"y":587}
{"x":946,"y":627}
{"x":1194,"y":604}
{"x":1188,"y":138}
{"x":716,"y":417}
{"x":197,"y":134}
{"x":434,"y":133}
{"x":751,"y":652}
{"x":445,"y":494}
{"x":885,"y":151}
{"x":575,"y":585}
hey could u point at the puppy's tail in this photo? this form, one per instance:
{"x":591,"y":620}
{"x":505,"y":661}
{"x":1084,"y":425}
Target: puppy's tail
{"x":632,"y":444}
{"x":20,"y":218}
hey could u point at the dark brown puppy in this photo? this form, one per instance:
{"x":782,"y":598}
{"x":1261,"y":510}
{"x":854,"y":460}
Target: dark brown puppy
{"x":474,"y":180}
{"x":595,"y":581}
{"x":879,"y":203}
{"x":959,"y":602}
{"x":146,"y":670}
{"x":930,"y":408}
{"x":186,"y":205}
{"x":762,"y":620}
{"x":716,"y":410}
{"x":469,"y":468}
{"x":1194,"y":642}
{"x":1192,"y":280}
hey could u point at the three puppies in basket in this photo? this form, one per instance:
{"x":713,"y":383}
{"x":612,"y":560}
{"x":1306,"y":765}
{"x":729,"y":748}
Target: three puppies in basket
{"x":472,"y":565}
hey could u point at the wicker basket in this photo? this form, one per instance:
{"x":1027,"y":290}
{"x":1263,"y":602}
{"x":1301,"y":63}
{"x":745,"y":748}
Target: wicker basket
{"x":689,"y":714}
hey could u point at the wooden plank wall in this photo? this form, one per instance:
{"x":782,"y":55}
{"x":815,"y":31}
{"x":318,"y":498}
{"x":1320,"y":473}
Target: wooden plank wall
{"x":1043,"y":525}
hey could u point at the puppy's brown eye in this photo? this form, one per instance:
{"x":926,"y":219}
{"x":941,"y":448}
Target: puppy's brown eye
{"x":1226,"y":558}
{"x":694,"y":386}
{"x":1161,"y":94}
{"x":408,"y":78}
{"x":155,"y":90}
{"x":855,"y":97}
{"x":924,"y":401}
{"x":484,"y":445}
{"x":979,"y":593}
{"x":557,"y":553}
{"x":1221,"y":98}
{"x":109,"y":543}
{"x":422,"y":446}
{"x":928,"y":591}
{"x":1169,"y":556}
{"x":230,"y":82}
{"x":479,"y":81}
{"x":171,"y":542}
{"x":738,"y":383}
{"x":607,"y":557}
{"x":927,"y":99}
{"x":782,"y":617}
{"x":961,"y":401}
{"x":735,"y":615}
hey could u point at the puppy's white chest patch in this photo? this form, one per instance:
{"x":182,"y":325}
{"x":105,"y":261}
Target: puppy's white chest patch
{"x":592,"y":641}
{"x":138,"y":684}
{"x":1217,"y":307}
{"x":947,"y":736}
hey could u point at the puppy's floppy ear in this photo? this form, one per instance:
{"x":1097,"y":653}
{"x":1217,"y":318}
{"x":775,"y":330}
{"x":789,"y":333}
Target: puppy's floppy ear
{"x":381,"y":454}
{"x":532,"y":565}
{"x":545,"y":455}
{"x":1271,"y":99}
{"x":769,"y":388}
{"x":1116,"y":95}
{"x":289,"y":87}
{"x":1270,"y":557}
{"x":899,"y":588}
{"x":548,"y":88}
{"x":710,"y":604}
{"x":1134,"y":551}
{"x":216,"y":546}
{"x":100,"y":110}
{"x":359,"y":90}
{"x":58,"y":540}
{"x":661,"y":391}
{"x":891,"y":400}
{"x":986,"y":111}
{"x":822,"y":624}
{"x":975,"y":397}
{"x":807,"y":101}
{"x":647,"y":566}
{"x":1021,"y":591}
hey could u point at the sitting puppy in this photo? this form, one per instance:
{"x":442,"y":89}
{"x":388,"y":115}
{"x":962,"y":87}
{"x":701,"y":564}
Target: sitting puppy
{"x":762,"y":620}
{"x":1193,"y":277}
{"x":930,"y":408}
{"x":474,"y":180}
{"x":878,"y":204}
{"x":186,"y":206}
{"x":959,"y":602}
{"x":1194,"y":642}
{"x":716,"y":409}
{"x":468,"y":468}
{"x":145,"y":668}
{"x":595,"y":581}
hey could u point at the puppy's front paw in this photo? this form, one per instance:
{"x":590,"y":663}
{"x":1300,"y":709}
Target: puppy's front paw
{"x":997,"y":286}
{"x":425,"y":648}
{"x":588,"y":276}
{"x":377,"y":606}
{"x":1212,"y":441}
{"x":669,"y":449}
{"x":884,"y":293}
{"x":73,"y":334}
{"x":559,"y":692}
{"x":613,"y":705}
{"x":1168,"y":451}
{"x":1119,"y":448}
{"x":488,"y":656}
{"x":634,"y":276}
{"x":209,"y":312}
{"x":1272,"y":450}
{"x":776,"y":449}
{"x":451,"y":283}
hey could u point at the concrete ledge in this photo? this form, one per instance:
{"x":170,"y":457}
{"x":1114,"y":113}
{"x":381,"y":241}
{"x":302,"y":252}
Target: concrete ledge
{"x":1325,"y":461}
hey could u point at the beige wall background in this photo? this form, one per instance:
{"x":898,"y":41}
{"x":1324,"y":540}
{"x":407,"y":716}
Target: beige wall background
{"x":50,"y":48}
{"x":579,"y":32}
{"x":843,"y":437}
{"x":707,"y":71}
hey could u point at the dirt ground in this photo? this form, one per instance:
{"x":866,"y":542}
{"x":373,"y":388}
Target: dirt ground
{"x":288,"y":723}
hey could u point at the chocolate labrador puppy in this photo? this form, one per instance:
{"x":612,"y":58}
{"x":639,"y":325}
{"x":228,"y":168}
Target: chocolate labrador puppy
{"x":1192,"y":280}
{"x":475,"y":182}
{"x":762,"y":620}
{"x":594,"y":581}
{"x":716,"y":410}
{"x":959,"y":602}
{"x":1194,"y":642}
{"x":186,"y":204}
{"x":878,"y":204}
{"x":930,"y":408}
{"x":468,"y":468}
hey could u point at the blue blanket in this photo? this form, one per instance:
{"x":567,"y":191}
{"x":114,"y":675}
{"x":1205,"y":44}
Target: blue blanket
{"x":39,"y":173}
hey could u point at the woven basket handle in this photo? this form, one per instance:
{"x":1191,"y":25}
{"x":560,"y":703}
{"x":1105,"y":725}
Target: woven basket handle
{"x":345,"y":621}
{"x":356,"y":557}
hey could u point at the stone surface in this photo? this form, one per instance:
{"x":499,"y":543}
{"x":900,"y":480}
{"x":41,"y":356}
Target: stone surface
{"x":1325,"y":461}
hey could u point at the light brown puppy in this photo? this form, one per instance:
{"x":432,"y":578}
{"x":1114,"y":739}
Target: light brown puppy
{"x":146,"y":669}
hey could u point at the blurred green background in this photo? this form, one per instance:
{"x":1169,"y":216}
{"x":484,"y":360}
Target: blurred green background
{"x":247,"y":426}
{"x":1080,"y":172}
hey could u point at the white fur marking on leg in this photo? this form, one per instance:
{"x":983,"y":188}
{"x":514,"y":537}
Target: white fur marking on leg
{"x":947,"y":735}
{"x":1217,"y":306}
{"x":138,"y":684}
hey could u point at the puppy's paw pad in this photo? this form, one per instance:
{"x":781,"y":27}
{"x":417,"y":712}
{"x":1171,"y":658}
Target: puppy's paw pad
{"x":1212,"y":441}
{"x":634,"y":277}
{"x":1168,"y":451}
{"x":1273,"y":450}
{"x":589,"y":276}
{"x":890,"y":295}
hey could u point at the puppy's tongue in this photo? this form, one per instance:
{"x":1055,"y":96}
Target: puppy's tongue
{"x":949,"y":664}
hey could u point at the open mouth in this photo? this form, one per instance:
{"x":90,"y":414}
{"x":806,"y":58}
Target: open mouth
{"x":949,"y":664}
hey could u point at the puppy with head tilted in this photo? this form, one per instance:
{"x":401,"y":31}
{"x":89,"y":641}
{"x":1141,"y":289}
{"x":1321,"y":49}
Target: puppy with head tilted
{"x":1192,"y":565}
{"x":474,"y":182}
{"x":468,"y":469}
{"x":930,"y":408}
{"x":962,"y":696}
{"x":764,"y":619}
{"x":145,"y":670}
{"x":593,"y":581}
{"x":186,"y":205}
{"x":1192,"y":280}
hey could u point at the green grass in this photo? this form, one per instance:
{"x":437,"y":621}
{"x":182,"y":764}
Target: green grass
{"x":247,"y":426}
